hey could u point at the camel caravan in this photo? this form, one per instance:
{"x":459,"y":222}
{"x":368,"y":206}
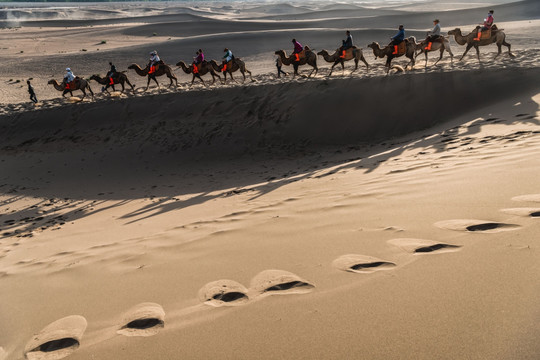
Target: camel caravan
{"x":399,"y":45}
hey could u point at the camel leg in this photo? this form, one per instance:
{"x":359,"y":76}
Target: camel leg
{"x":509,"y":48}
{"x":342,"y":67}
{"x":147,"y":84}
{"x":425,"y":65}
{"x":499,"y":50}
{"x":249,"y":72}
{"x":91,"y":92}
{"x":232,"y":78}
{"x":440,"y":55}
{"x":477,"y":52}
{"x":364,"y":61}
{"x":469,"y":46}
{"x":295,"y":66}
{"x":244,"y":75}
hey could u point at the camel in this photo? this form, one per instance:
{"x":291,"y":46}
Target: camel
{"x":78,"y":84}
{"x":497,"y":36}
{"x":205,"y":69}
{"x":336,"y":58}
{"x":389,"y":49}
{"x":436,"y":45}
{"x":310,"y":59}
{"x":237,"y":64}
{"x":162,"y":69}
{"x":119,"y":78}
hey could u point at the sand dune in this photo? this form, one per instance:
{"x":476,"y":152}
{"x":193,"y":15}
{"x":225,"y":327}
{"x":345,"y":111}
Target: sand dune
{"x":169,"y":220}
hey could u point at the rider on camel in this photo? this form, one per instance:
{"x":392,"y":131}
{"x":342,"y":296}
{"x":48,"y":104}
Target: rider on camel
{"x":297,"y":49}
{"x":154,"y":62}
{"x":488,"y":23}
{"x":198,"y":60}
{"x":112,"y":72}
{"x":398,"y":39}
{"x":68,"y":78}
{"x":346,"y":44}
{"x":226,"y":58}
{"x":433,"y":35}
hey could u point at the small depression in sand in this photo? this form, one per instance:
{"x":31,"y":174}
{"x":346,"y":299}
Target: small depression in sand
{"x":527,"y":198}
{"x":361,"y":263}
{"x":527,"y":212}
{"x":145,"y":319}
{"x":57,"y":340}
{"x":421,"y":246}
{"x":280,"y":282}
{"x":484,"y":226}
{"x":223,"y":293}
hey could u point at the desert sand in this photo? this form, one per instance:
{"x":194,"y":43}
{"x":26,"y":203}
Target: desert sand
{"x":361,"y":215}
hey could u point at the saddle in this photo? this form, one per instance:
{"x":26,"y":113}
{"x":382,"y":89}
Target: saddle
{"x":486,"y":34}
{"x":228,"y":65}
{"x":301,"y":55}
{"x":402,"y":48}
{"x":72,"y":84}
{"x":347,"y":54}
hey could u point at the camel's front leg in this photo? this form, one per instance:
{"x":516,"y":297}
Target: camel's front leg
{"x":509,"y":48}
{"x":469,"y":46}
{"x":425,"y":65}
{"x":232,"y":78}
{"x":147,"y":84}
{"x":440,"y":56}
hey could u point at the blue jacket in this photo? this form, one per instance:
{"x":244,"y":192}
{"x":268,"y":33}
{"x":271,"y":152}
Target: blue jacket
{"x":400,"y":35}
{"x":348,"y":43}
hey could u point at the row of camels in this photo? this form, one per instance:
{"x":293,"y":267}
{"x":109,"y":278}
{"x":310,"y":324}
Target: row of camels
{"x":412,"y":50}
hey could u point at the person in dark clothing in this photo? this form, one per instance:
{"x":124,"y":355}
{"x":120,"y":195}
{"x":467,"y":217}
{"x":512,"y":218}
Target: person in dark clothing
{"x":112,"y":72}
{"x":347,"y":44}
{"x":398,"y":39}
{"x":32,"y":93}
{"x":279,"y":64}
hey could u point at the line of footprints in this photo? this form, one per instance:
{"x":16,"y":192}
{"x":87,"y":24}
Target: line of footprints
{"x":63,"y":336}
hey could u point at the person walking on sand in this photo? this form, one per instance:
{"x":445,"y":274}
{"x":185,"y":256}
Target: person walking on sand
{"x":32,"y":93}
{"x":433,"y":35}
{"x":279,"y":64}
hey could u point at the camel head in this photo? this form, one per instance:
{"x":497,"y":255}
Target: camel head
{"x":133,"y":66}
{"x":412,"y":39}
{"x":280,"y":53}
{"x":323,"y":53}
{"x":455,"y":31}
{"x":51,"y":82}
{"x":376,"y":49}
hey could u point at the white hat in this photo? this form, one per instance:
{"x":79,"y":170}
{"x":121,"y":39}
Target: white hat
{"x":68,"y":69}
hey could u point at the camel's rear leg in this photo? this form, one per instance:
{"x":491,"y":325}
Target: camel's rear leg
{"x":477,"y":52}
{"x":363,"y":59}
{"x":440,"y":55}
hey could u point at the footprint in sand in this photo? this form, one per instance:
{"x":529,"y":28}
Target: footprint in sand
{"x":145,"y":319}
{"x":483,"y":226}
{"x":361,"y":263}
{"x":421,"y":246}
{"x":223,"y":293}
{"x":273,"y":282}
{"x":528,"y":212}
{"x":57,"y":340}
{"x":527,"y":198}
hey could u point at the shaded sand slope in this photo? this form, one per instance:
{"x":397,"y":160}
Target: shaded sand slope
{"x":268,"y":117}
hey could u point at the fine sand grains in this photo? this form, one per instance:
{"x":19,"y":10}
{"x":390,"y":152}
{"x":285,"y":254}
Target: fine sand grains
{"x":57,"y":340}
{"x":145,"y":319}
{"x":472,"y":225}
{"x":223,"y":293}
{"x":277,"y":282}
{"x":421,"y":246}
{"x":361,"y":263}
